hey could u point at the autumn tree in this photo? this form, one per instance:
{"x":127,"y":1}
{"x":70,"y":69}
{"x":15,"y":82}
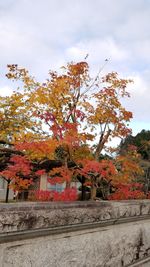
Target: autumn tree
{"x":142,"y":143}
{"x":126,"y":182}
{"x":76,"y":111}
{"x":15,"y":121}
{"x":17,"y":174}
{"x":16,"y":118}
{"x":140,"y":140}
{"x":128,"y":166}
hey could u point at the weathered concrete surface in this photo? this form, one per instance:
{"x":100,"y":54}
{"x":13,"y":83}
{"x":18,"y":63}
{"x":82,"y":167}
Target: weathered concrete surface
{"x":115,"y":247}
{"x":24,"y":216}
{"x":104,"y":245}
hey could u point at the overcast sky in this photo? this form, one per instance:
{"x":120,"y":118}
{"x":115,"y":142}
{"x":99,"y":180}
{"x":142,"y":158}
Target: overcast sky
{"x":45,"y":34}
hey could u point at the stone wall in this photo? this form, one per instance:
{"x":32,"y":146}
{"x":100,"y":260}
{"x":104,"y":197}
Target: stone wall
{"x":79,"y":234}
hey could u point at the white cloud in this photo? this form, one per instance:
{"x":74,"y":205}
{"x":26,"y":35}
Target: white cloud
{"x":98,"y":50}
{"x":140,"y":99}
{"x":5,"y":91}
{"x":43,"y":35}
{"x":139,"y":87}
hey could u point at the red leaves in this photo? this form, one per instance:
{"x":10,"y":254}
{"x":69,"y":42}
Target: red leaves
{"x":41,"y":195}
{"x":80,"y":114}
{"x":47,"y":116}
{"x":20,"y":165}
{"x":18,"y":171}
{"x":69,"y":194}
{"x":128,"y":191}
{"x":60,"y":175}
{"x":38,"y":149}
{"x":40,"y":172}
{"x":77,"y":69}
{"x":63,"y":102}
{"x":105,"y":169}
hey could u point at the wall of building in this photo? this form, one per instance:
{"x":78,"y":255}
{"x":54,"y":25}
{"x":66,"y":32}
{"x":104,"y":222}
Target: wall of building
{"x":79,"y":234}
{"x":45,"y":185}
{"x":3,"y":188}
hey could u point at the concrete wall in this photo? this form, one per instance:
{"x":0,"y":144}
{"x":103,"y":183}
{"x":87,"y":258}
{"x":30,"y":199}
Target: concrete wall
{"x":80,"y":234}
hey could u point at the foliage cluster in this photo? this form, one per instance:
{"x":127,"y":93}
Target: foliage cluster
{"x":68,"y":119}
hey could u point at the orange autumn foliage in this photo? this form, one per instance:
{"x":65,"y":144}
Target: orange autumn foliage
{"x":71,"y":117}
{"x":18,"y":173}
{"x":128,"y":167}
{"x":74,"y":106}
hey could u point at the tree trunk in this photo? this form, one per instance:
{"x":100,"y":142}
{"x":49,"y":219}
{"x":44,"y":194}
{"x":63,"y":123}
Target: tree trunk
{"x":103,"y":139}
{"x":7,"y":191}
{"x":93,"y":192}
{"x":83,"y":192}
{"x":68,"y":183}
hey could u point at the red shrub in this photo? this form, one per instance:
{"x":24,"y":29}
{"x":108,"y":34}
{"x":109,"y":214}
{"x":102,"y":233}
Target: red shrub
{"x":69,"y":194}
{"x":128,"y":191}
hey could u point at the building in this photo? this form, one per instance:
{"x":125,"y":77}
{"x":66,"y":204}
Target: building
{"x":3,"y":188}
{"x":45,"y":185}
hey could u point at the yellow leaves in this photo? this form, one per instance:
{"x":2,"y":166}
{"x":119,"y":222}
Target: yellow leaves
{"x":28,"y":137}
{"x":17,"y":73}
{"x":66,"y":98}
{"x":81,"y":153}
{"x":15,"y":116}
{"x":77,"y":69}
{"x":117,"y":83}
{"x":128,"y":167}
{"x":38,"y":149}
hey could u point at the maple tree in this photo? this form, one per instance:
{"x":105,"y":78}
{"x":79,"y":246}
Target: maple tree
{"x":14,"y":111}
{"x":72,"y":104}
{"x":17,"y":174}
{"x":71,"y":118}
{"x":128,"y":165}
{"x":98,"y":175}
{"x":141,"y":141}
{"x":125,"y":181}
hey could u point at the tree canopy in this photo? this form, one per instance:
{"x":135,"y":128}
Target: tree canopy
{"x":140,"y":140}
{"x":68,"y":119}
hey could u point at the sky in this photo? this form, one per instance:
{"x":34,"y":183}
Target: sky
{"x":46,"y":34}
